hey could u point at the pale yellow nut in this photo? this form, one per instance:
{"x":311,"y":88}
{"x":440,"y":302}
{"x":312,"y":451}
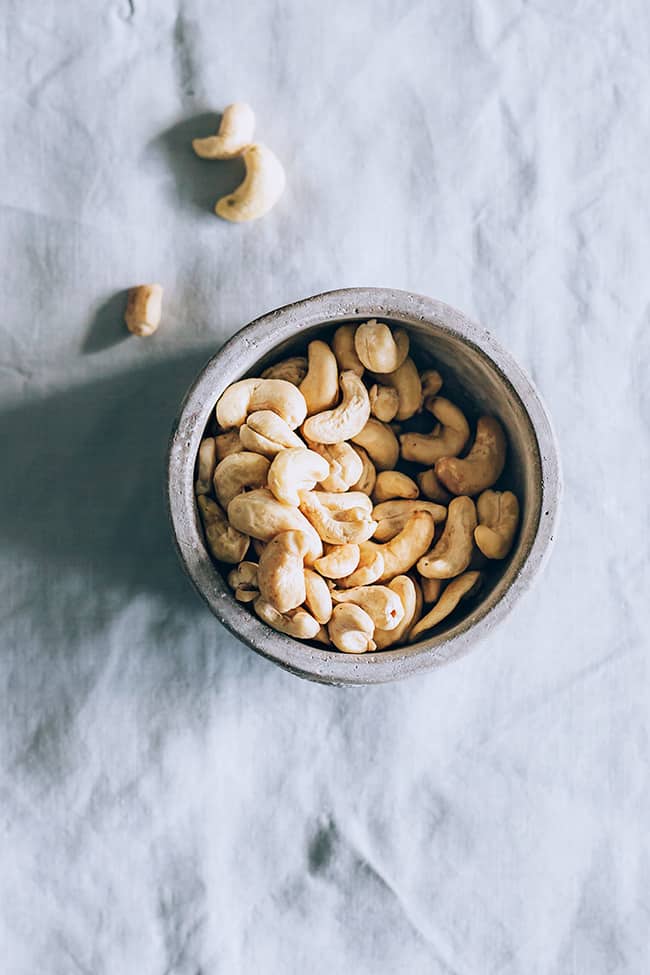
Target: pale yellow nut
{"x":498,"y":515}
{"x":237,"y":472}
{"x":318,"y":598}
{"x":206,"y":463}
{"x":432,"y":488}
{"x":452,"y":553}
{"x":431,"y":589}
{"x":383,"y":606}
{"x":369,"y":569}
{"x":235,"y":133}
{"x":293,"y":470}
{"x":380,"y":349}
{"x":457,"y":589}
{"x":293,"y":370}
{"x":226,"y":543}
{"x":392,"y":516}
{"x":345,"y":465}
{"x":406,"y":380}
{"x":337,"y":501}
{"x":260,"y":515}
{"x":384,"y":402}
{"x":346,"y":419}
{"x":483,"y":465}
{"x":320,"y":387}
{"x":446,"y":440}
{"x":250,"y":395}
{"x":379,"y":442}
{"x":226,"y":444}
{"x":402,"y":552}
{"x":267,"y":433}
{"x":280,"y":574}
{"x":296,"y":623}
{"x":336,"y":526}
{"x":431,"y":383}
{"x":243,"y":580}
{"x":344,"y":350}
{"x":351,"y":629}
{"x":338,"y":561}
{"x":143,"y":309}
{"x":368,"y":478}
{"x":260,"y":190}
{"x":394,"y":484}
{"x":406,"y":591}
{"x":322,"y":637}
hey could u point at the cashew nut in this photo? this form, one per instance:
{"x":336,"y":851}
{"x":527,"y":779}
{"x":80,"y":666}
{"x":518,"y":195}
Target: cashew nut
{"x":225,"y":542}
{"x":143,"y":309}
{"x":380,"y":443}
{"x":402,"y":552}
{"x":498,"y":515}
{"x":368,"y":570}
{"x":235,"y":133}
{"x":336,"y":501}
{"x":206,"y":464}
{"x":239,"y":471}
{"x":366,"y":482}
{"x":267,"y":433}
{"x":345,"y":465}
{"x":344,"y":350}
{"x":431,"y":383}
{"x":296,"y":623}
{"x":323,"y":637}
{"x":431,"y":589}
{"x":249,"y":395}
{"x":280,"y":574}
{"x":338,"y":561}
{"x":351,"y":629}
{"x":452,"y":553}
{"x":320,"y":387}
{"x":382,"y":605}
{"x":432,"y":488}
{"x":260,"y":515}
{"x":384,"y":402}
{"x":457,"y":589}
{"x":293,"y":470}
{"x":483,"y":465}
{"x":243,"y":580}
{"x":318,"y":598}
{"x":392,"y":516}
{"x":293,"y":370}
{"x":336,"y":526}
{"x":345,"y":420}
{"x":379,"y":349}
{"x":394,"y":484}
{"x":227,"y":443}
{"x":405,"y":589}
{"x":406,"y":380}
{"x":260,"y":190}
{"x":447,"y":439}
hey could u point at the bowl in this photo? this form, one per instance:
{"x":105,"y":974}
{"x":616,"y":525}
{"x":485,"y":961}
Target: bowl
{"x":479,"y":375}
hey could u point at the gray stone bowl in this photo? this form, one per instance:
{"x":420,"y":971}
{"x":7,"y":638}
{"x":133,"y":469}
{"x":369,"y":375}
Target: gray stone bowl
{"x":479,"y":375}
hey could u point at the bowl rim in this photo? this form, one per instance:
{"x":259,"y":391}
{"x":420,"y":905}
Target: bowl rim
{"x":285,"y":322}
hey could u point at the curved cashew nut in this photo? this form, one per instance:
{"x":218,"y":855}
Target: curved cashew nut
{"x":483,"y":465}
{"x":432,"y":488}
{"x":318,"y":598}
{"x":431,"y":383}
{"x":280,"y":574}
{"x":293,"y":370}
{"x":143,"y":309}
{"x":431,"y":589}
{"x":448,"y":438}
{"x":258,"y":514}
{"x":293,"y":470}
{"x":368,"y":570}
{"x":338,"y":561}
{"x":206,"y":463}
{"x":226,"y":444}
{"x":249,"y":395}
{"x":239,"y":471}
{"x":392,"y":516}
{"x":384,"y":402}
{"x":320,"y":387}
{"x":406,"y":380}
{"x":379,"y":349}
{"x":344,"y":350}
{"x":402,"y":552}
{"x":243,"y":580}
{"x":456,"y":590}
{"x":235,"y":133}
{"x":267,"y":433}
{"x":452,"y":553}
{"x":379,"y":441}
{"x":394,"y":484}
{"x":225,"y":542}
{"x":260,"y":190}
{"x":336,"y":526}
{"x":351,"y":629}
{"x":405,"y":589}
{"x":498,"y":515}
{"x":343,"y":502}
{"x":367,"y":480}
{"x":346,"y":466}
{"x":296,"y":623}
{"x":383,"y":606}
{"x":345,"y":420}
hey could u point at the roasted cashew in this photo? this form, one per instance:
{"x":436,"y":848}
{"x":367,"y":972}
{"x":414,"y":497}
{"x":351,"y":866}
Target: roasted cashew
{"x":343,"y":349}
{"x":483,"y":465}
{"x":296,"y":623}
{"x":227,"y":443}
{"x":267,"y":433}
{"x":293,"y":470}
{"x":345,"y":420}
{"x":260,"y":190}
{"x":243,"y":580}
{"x":143,"y":309}
{"x":379,"y":441}
{"x":458,"y":588}
{"x":368,"y":570}
{"x":318,"y":598}
{"x":237,"y":472}
{"x":225,"y":542}
{"x":379,"y":349}
{"x":406,"y":380}
{"x":384,"y":402}
{"x":206,"y":464}
{"x":405,"y":589}
{"x":338,"y":561}
{"x":346,"y":466}
{"x":431,"y":383}
{"x":336,"y":526}
{"x":432,"y":488}
{"x":498,"y":515}
{"x":280,"y":574}
{"x":258,"y":514}
{"x":249,"y":395}
{"x":235,"y":133}
{"x":392,"y":516}
{"x":293,"y":370}
{"x":447,"y":439}
{"x":383,"y":606}
{"x":431,"y":589}
{"x":366,"y":482}
{"x":320,"y":387}
{"x":452,"y":553}
{"x":402,"y":552}
{"x":394,"y":484}
{"x":351,"y":629}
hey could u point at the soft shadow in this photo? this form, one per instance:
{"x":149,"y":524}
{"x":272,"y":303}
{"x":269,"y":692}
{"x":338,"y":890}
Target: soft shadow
{"x":199,"y":182}
{"x":107,"y":327}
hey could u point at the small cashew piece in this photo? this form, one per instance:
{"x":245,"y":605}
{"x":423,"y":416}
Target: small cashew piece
{"x":267,"y":433}
{"x":432,"y":488}
{"x":323,"y":637}
{"x":383,"y":606}
{"x":367,"y":480}
{"x":447,"y":439}
{"x":498,"y":515}
{"x":457,"y":589}
{"x":260,"y":190}
{"x":402,"y":552}
{"x":227,"y":443}
{"x":345,"y":464}
{"x":338,"y":561}
{"x":431,"y":383}
{"x":345,"y":420}
{"x":392,"y":516}
{"x":452,"y":553}
{"x":225,"y":542}
{"x":379,"y":349}
{"x":406,"y":380}
{"x":206,"y":463}
{"x":384,"y":402}
{"x":368,"y":570}
{"x":406,"y":591}
{"x":343,"y":349}
{"x":294,"y":470}
{"x":280,"y":574}
{"x":351,"y":629}
{"x":235,"y":133}
{"x":143,"y":309}
{"x":379,"y":441}
{"x":336,"y":526}
{"x":431,"y":589}
{"x":250,"y":395}
{"x":237,"y":472}
{"x":318,"y":598}
{"x":260,"y":515}
{"x":320,"y":387}
{"x":394,"y":484}
{"x":296,"y":623}
{"x":243,"y":580}
{"x":293,"y":370}
{"x":483,"y":465}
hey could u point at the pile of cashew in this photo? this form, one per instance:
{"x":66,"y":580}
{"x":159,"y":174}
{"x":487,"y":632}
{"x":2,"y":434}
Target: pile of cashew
{"x":340,"y":515}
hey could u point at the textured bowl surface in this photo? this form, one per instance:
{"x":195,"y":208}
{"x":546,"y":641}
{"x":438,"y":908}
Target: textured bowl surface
{"x":478,"y":374}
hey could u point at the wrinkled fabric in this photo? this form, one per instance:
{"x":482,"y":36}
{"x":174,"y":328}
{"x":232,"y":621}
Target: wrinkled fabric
{"x":169,"y":801}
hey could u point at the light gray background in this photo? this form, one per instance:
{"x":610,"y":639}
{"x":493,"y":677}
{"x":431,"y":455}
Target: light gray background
{"x":169,"y":802}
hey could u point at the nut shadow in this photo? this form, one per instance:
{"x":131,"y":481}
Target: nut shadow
{"x":107,"y":328}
